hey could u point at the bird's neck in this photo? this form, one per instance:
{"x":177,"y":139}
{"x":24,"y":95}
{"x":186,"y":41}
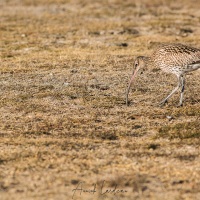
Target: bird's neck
{"x":146,"y":59}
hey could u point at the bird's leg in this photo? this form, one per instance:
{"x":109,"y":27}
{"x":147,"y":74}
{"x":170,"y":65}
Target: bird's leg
{"x":182,"y":81}
{"x":162,"y":103}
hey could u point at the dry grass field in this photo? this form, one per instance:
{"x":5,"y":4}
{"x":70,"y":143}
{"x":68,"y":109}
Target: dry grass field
{"x":64,"y":125}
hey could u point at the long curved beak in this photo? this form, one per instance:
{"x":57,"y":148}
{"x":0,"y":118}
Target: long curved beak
{"x":129,"y":86}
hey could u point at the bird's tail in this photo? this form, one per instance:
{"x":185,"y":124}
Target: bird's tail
{"x":194,"y":66}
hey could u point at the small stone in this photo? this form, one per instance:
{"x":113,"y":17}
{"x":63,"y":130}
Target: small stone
{"x":23,"y":35}
{"x":66,"y":84}
{"x":169,"y":117}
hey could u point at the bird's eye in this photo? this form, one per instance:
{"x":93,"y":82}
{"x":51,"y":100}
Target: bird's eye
{"x":136,"y":64}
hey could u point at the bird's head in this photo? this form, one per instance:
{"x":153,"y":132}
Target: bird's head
{"x":139,"y":66}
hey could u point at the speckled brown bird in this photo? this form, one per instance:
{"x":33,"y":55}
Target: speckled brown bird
{"x":177,"y":59}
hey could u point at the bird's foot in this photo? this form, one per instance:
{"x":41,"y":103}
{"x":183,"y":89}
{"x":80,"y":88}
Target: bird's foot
{"x":162,"y":103}
{"x":180,"y":105}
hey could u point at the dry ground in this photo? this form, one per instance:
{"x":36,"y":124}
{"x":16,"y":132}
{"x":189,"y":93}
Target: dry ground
{"x":64,"y":70}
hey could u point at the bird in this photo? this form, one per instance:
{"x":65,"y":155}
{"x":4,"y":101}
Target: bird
{"x":177,"y":59}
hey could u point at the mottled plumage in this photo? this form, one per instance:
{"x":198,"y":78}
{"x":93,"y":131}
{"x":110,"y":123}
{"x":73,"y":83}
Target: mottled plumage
{"x":177,"y":59}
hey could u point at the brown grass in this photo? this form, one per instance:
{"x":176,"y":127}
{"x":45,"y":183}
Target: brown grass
{"x":65,"y":66}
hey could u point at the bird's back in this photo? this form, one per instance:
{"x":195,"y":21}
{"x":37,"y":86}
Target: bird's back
{"x":176,"y":58}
